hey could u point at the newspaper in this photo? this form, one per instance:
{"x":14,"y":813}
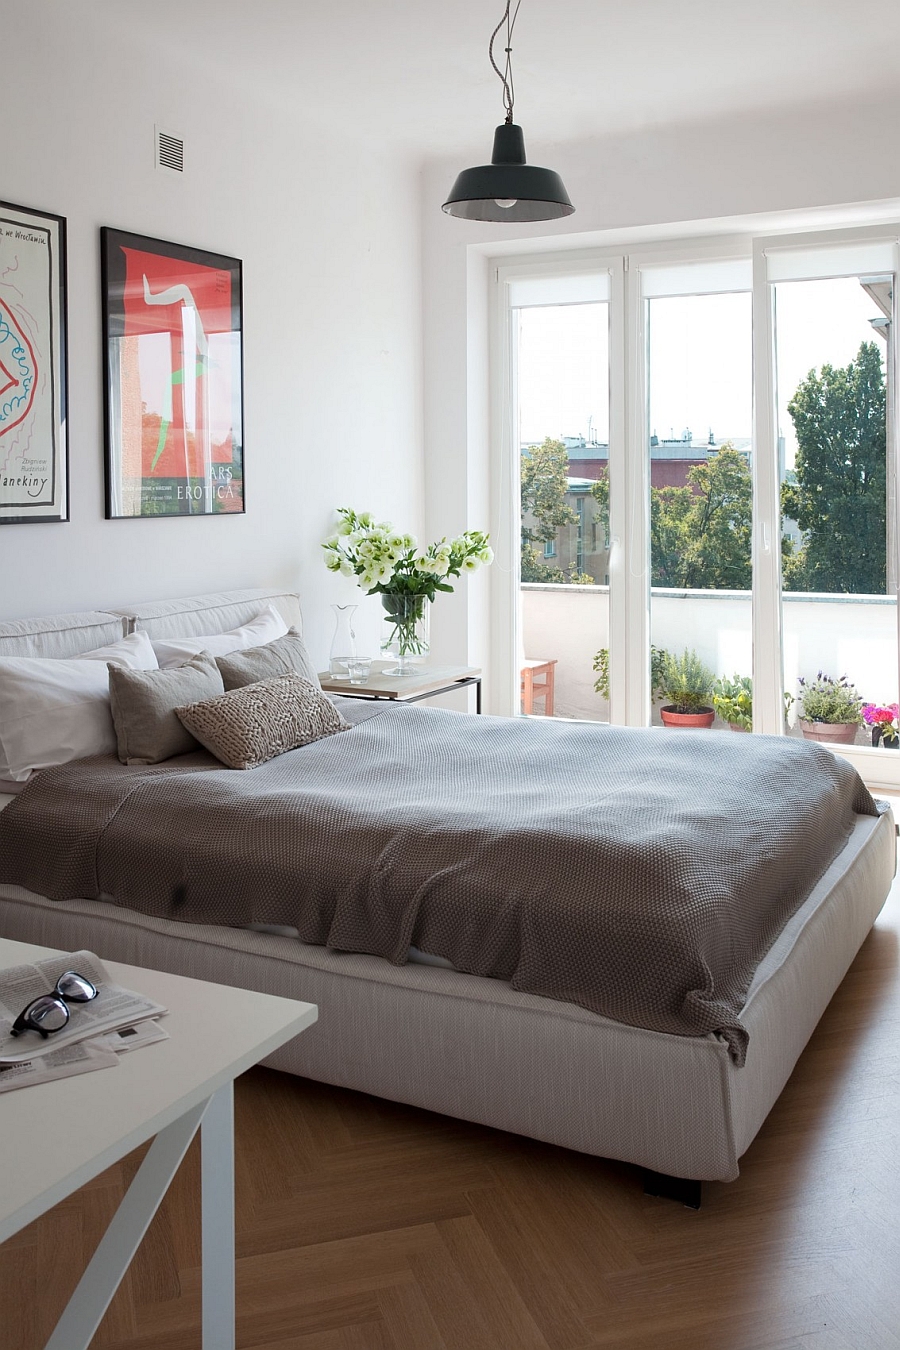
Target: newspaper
{"x":112,"y":1009}
{"x":71,"y":1059}
{"x":102,"y":1052}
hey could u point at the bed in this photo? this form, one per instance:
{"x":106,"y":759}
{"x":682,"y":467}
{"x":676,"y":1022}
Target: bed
{"x":472,"y":1046}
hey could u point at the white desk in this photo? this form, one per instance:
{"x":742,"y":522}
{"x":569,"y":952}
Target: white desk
{"x":58,"y":1136}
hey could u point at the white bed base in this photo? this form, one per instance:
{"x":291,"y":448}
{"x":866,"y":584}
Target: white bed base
{"x":473,"y":1048}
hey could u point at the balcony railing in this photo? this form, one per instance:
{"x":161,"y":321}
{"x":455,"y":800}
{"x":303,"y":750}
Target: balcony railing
{"x":852,"y":635}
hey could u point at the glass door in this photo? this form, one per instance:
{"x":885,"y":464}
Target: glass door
{"x":698,"y":332}
{"x":828,"y":420}
{"x":560,"y":350}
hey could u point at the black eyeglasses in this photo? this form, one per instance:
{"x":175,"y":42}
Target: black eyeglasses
{"x":50,"y":1012}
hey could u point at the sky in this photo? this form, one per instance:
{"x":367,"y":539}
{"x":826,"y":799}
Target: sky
{"x":700,"y":359}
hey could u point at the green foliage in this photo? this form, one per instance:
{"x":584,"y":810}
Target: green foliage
{"x":733,"y":700}
{"x":700,"y":535}
{"x":839,"y":497}
{"x":826,"y":700}
{"x":687,"y":683}
{"x":658,"y":657}
{"x":534,"y":568}
{"x":544,"y":483}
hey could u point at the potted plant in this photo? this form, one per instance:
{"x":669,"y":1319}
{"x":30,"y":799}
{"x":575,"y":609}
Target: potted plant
{"x":883,"y":718}
{"x":830,"y":710}
{"x":733,"y":701}
{"x":658,"y":657}
{"x":688,"y":685}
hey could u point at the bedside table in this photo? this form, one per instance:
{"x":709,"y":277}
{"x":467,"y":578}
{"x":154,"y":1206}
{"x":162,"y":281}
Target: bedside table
{"x":427,"y":683}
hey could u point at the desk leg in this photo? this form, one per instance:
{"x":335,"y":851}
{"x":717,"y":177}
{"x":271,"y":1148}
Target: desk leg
{"x":84,"y":1311}
{"x":477,"y":697}
{"x":217,"y":1180}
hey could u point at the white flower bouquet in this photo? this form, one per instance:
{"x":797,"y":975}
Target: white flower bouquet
{"x":392,"y":565}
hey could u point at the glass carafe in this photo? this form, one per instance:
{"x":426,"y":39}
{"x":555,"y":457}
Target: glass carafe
{"x":343,"y":644}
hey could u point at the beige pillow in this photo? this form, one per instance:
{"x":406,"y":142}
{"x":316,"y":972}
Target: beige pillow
{"x":248,"y":726}
{"x":280,"y":657}
{"x":143,"y":707}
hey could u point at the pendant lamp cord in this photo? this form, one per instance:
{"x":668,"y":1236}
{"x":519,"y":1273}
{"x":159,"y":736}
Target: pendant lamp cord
{"x":506,"y":75}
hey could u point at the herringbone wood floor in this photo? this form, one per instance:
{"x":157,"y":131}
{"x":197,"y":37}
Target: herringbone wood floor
{"x":364,"y":1225}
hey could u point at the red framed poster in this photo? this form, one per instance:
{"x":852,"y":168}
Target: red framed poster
{"x":172,"y":318}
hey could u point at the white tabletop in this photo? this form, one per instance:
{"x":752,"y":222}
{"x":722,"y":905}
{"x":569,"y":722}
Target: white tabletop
{"x":425,"y":679}
{"x":57,"y":1136}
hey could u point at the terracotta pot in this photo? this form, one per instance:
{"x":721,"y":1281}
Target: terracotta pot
{"x":704,"y":718}
{"x":734,"y":727}
{"x":830,"y":733}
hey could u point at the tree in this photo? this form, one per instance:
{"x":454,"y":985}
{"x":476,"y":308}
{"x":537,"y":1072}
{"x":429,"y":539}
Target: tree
{"x":839,"y":498}
{"x":700,"y":533}
{"x":717,"y":553}
{"x":544,"y":483}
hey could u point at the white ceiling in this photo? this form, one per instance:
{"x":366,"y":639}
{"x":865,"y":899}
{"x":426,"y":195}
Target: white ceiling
{"x":414,"y":74}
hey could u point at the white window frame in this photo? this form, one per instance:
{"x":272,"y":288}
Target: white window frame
{"x":629,"y":469}
{"x":768,"y":662}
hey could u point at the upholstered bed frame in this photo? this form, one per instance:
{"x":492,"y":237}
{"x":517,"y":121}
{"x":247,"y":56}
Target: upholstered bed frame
{"x":473,"y":1047}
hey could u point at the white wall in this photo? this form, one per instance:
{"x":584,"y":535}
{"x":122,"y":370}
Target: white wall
{"x":707,"y":175}
{"x":329,"y":237}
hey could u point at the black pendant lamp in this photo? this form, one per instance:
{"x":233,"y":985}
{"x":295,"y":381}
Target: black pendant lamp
{"x":508,"y":188}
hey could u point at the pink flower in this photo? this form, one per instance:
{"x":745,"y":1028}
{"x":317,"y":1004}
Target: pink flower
{"x":875,"y":714}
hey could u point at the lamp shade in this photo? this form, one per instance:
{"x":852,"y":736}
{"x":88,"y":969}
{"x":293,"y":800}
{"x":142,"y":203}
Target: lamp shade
{"x":508,"y":188}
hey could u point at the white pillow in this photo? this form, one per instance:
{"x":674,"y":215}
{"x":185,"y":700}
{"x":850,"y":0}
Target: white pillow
{"x":56,"y":709}
{"x":265,"y":627}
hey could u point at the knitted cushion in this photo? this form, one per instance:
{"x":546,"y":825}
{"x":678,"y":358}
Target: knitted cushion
{"x":248,"y":726}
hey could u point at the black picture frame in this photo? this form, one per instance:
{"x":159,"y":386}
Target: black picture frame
{"x":34,"y":442}
{"x":173,"y":378}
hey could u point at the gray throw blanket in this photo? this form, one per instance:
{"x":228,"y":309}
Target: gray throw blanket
{"x":640,"y":874}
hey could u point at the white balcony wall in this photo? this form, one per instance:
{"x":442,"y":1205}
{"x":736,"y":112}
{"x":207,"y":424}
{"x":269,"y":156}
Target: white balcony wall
{"x":568,"y":624}
{"x":852,"y":635}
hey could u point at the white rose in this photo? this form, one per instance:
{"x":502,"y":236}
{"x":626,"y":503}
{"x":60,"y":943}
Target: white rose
{"x":345,"y":527}
{"x":486,"y":555}
{"x":333,"y":563}
{"x":346,"y":568}
{"x":471,"y":564}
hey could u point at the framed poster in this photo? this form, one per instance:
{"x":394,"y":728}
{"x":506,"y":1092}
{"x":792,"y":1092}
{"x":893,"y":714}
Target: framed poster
{"x":172,"y":324}
{"x":34,"y":482}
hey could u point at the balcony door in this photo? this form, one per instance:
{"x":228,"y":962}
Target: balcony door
{"x":703,"y":452}
{"x":827,"y":546}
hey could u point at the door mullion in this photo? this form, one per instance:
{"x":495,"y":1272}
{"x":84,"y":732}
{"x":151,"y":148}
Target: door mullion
{"x":768,"y":665}
{"x":629,"y":651}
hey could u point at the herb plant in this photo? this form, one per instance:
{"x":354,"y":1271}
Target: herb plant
{"x":827,"y":700}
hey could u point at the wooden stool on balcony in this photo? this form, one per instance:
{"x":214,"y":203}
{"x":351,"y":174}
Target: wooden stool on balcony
{"x":533,"y":685}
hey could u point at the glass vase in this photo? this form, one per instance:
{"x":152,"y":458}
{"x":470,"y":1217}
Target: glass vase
{"x":343,"y":644}
{"x":405,"y":635}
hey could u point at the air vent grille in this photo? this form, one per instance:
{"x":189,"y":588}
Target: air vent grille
{"x":169,"y":151}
